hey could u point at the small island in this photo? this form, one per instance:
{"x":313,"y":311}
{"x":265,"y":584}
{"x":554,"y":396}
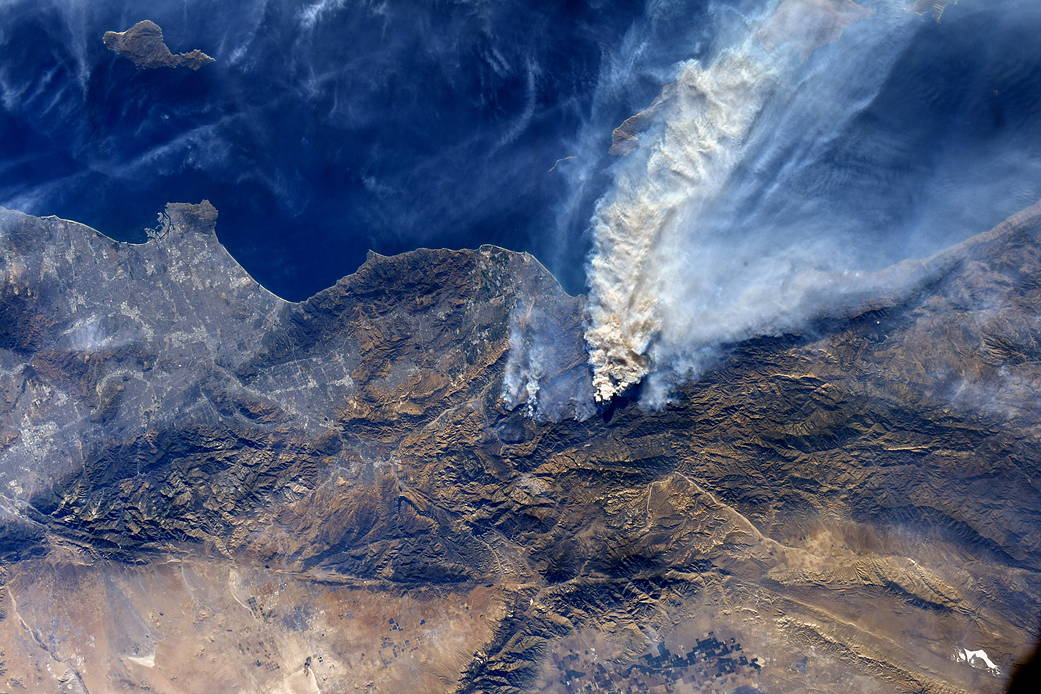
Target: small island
{"x":144,"y":46}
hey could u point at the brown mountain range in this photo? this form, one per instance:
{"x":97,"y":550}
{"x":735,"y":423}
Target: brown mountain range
{"x":205,"y":488}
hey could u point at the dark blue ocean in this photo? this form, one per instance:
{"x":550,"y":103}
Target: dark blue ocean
{"x":328,"y":128}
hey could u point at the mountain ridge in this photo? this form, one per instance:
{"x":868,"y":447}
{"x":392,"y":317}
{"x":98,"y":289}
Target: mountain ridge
{"x":367,"y":446}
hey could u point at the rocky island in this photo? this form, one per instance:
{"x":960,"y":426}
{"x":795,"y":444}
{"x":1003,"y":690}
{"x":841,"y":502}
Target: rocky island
{"x":143,"y":45}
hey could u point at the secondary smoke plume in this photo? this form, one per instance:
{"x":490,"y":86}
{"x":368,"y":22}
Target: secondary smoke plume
{"x":709,"y":234}
{"x":544,"y":367}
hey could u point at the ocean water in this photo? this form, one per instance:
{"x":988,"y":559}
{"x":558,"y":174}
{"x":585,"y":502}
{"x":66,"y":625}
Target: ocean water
{"x":818,"y":142}
{"x":328,"y":128}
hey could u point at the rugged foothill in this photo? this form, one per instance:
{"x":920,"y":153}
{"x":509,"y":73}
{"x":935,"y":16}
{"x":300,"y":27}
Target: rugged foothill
{"x":206,"y":488}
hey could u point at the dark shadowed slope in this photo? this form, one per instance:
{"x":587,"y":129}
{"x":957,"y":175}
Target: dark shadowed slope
{"x":208,"y":488}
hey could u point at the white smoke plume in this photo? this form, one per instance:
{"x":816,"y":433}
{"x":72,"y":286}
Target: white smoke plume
{"x":525,"y":366}
{"x":545,"y":373}
{"x":672,"y":277}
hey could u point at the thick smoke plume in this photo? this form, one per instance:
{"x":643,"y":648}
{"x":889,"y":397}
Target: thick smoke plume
{"x":665,"y":289}
{"x":712,"y":231}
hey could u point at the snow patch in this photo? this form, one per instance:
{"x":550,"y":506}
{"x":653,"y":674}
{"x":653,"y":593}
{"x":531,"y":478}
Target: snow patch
{"x":977,"y":659}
